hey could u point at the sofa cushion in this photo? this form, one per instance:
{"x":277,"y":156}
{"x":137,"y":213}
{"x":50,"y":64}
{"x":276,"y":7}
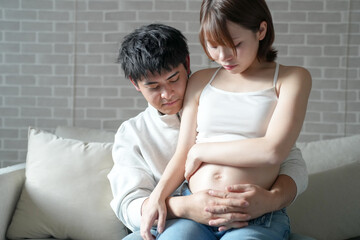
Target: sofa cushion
{"x":332,"y":153}
{"x":85,"y":134}
{"x":66,"y":193}
{"x":329,"y":209}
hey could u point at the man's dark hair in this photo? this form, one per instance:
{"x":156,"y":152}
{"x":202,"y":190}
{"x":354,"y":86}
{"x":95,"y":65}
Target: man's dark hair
{"x":152,"y":49}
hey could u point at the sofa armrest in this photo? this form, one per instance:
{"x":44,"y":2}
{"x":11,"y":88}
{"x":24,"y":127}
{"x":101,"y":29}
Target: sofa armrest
{"x":11,"y":182}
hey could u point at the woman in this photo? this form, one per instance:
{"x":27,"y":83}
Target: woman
{"x":251,"y":103}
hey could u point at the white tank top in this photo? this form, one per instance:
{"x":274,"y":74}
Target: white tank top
{"x":226,"y":116}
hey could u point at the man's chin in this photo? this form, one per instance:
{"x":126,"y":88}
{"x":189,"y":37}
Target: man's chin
{"x":170,"y":111}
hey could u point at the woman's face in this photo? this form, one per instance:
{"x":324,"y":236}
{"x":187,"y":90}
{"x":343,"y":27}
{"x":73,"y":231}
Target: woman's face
{"x":246,"y":43}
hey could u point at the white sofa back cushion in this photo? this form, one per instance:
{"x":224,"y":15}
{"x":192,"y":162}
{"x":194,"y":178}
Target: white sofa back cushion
{"x":66,"y":192}
{"x":85,"y":134}
{"x":324,"y":155}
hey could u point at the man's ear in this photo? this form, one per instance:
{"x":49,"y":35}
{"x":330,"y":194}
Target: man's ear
{"x":262,"y":30}
{"x":135,"y":84}
{"x":188,"y":64}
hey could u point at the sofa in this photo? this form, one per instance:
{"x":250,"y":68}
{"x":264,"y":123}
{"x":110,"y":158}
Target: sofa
{"x":62,"y":190}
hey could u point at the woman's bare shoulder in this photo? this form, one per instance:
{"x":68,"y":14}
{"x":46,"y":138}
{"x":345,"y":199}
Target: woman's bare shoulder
{"x":296,"y":79}
{"x":295,"y":74}
{"x":200,"y":78}
{"x":295,"y":71}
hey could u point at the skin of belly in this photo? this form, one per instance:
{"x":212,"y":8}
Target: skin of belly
{"x":218,"y":177}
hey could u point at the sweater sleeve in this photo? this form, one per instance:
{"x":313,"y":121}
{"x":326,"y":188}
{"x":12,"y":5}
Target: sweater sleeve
{"x":130,"y":178}
{"x":294,"y":166}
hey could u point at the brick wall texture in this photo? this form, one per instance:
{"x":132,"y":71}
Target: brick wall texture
{"x":58,"y":62}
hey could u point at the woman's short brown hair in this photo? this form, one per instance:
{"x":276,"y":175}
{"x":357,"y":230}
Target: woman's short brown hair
{"x":247,"y":13}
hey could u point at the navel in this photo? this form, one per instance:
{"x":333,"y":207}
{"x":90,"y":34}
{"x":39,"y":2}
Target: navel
{"x":218,"y":176}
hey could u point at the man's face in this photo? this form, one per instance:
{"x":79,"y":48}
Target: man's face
{"x":165,"y":91}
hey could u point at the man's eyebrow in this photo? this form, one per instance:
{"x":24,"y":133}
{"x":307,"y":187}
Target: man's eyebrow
{"x":171,"y":76}
{"x":150,"y":83}
{"x":175,"y":73}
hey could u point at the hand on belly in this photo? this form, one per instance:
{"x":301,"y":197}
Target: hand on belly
{"x":218,"y":177}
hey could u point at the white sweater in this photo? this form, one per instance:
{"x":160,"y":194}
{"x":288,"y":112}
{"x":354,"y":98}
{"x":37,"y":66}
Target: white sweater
{"x":142,"y":148}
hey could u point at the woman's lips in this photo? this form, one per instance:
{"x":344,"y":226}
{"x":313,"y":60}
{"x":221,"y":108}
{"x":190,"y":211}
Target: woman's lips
{"x":229,"y":67}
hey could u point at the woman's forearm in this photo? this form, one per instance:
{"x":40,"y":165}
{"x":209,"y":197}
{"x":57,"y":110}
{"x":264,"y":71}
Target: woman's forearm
{"x":257,"y":152}
{"x":172,"y":177}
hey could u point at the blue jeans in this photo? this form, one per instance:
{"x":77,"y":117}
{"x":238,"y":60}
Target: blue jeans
{"x":136,"y":235}
{"x":271,"y":226}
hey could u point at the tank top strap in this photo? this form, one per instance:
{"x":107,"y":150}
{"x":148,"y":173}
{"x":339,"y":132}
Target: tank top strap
{"x":213,"y":76}
{"x":276,"y":74}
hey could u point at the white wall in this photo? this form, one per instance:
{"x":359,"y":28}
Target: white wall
{"x":57,"y":62}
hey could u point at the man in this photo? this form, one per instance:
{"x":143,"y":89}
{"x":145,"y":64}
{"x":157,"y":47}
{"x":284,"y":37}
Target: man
{"x":156,"y":60}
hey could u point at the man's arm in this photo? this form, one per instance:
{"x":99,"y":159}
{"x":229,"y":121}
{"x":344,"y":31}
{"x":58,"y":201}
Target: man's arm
{"x":234,"y":208}
{"x":195,"y":207}
{"x":294,"y":166}
{"x":242,"y":202}
{"x":131,"y":182}
{"x":260,"y":201}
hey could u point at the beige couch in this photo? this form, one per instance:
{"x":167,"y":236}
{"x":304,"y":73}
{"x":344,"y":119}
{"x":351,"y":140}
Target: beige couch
{"x":66,"y":194}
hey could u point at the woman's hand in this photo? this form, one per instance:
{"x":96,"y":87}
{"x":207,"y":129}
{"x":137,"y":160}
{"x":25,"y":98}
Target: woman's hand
{"x":153,"y":210}
{"x":192,"y":162}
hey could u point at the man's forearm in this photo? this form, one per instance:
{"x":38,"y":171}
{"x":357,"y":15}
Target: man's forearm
{"x":284,"y":191}
{"x":176,"y":207}
{"x":190,"y":207}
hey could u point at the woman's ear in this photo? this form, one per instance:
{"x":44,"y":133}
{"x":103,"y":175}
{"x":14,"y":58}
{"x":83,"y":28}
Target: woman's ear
{"x":262,"y":30}
{"x":135,"y":84}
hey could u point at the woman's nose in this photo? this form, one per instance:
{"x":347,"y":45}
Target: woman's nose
{"x":225,"y":53}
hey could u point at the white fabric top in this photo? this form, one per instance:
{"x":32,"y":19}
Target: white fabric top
{"x":143,"y":146}
{"x":227,"y":116}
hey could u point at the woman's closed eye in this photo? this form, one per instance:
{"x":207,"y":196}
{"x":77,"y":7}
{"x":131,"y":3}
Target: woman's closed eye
{"x":238,"y":44}
{"x":213,"y":46}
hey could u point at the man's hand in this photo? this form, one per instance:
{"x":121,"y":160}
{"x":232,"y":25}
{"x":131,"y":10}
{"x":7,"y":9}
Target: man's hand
{"x":240,"y":199}
{"x":234,"y":206}
{"x":198,"y":207}
{"x":231,"y":208}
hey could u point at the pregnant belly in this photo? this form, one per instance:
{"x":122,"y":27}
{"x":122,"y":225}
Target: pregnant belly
{"x":218,"y":177}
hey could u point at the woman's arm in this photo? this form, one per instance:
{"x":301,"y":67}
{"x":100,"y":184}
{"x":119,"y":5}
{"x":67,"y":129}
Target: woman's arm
{"x":284,"y":127}
{"x":174,"y":172}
